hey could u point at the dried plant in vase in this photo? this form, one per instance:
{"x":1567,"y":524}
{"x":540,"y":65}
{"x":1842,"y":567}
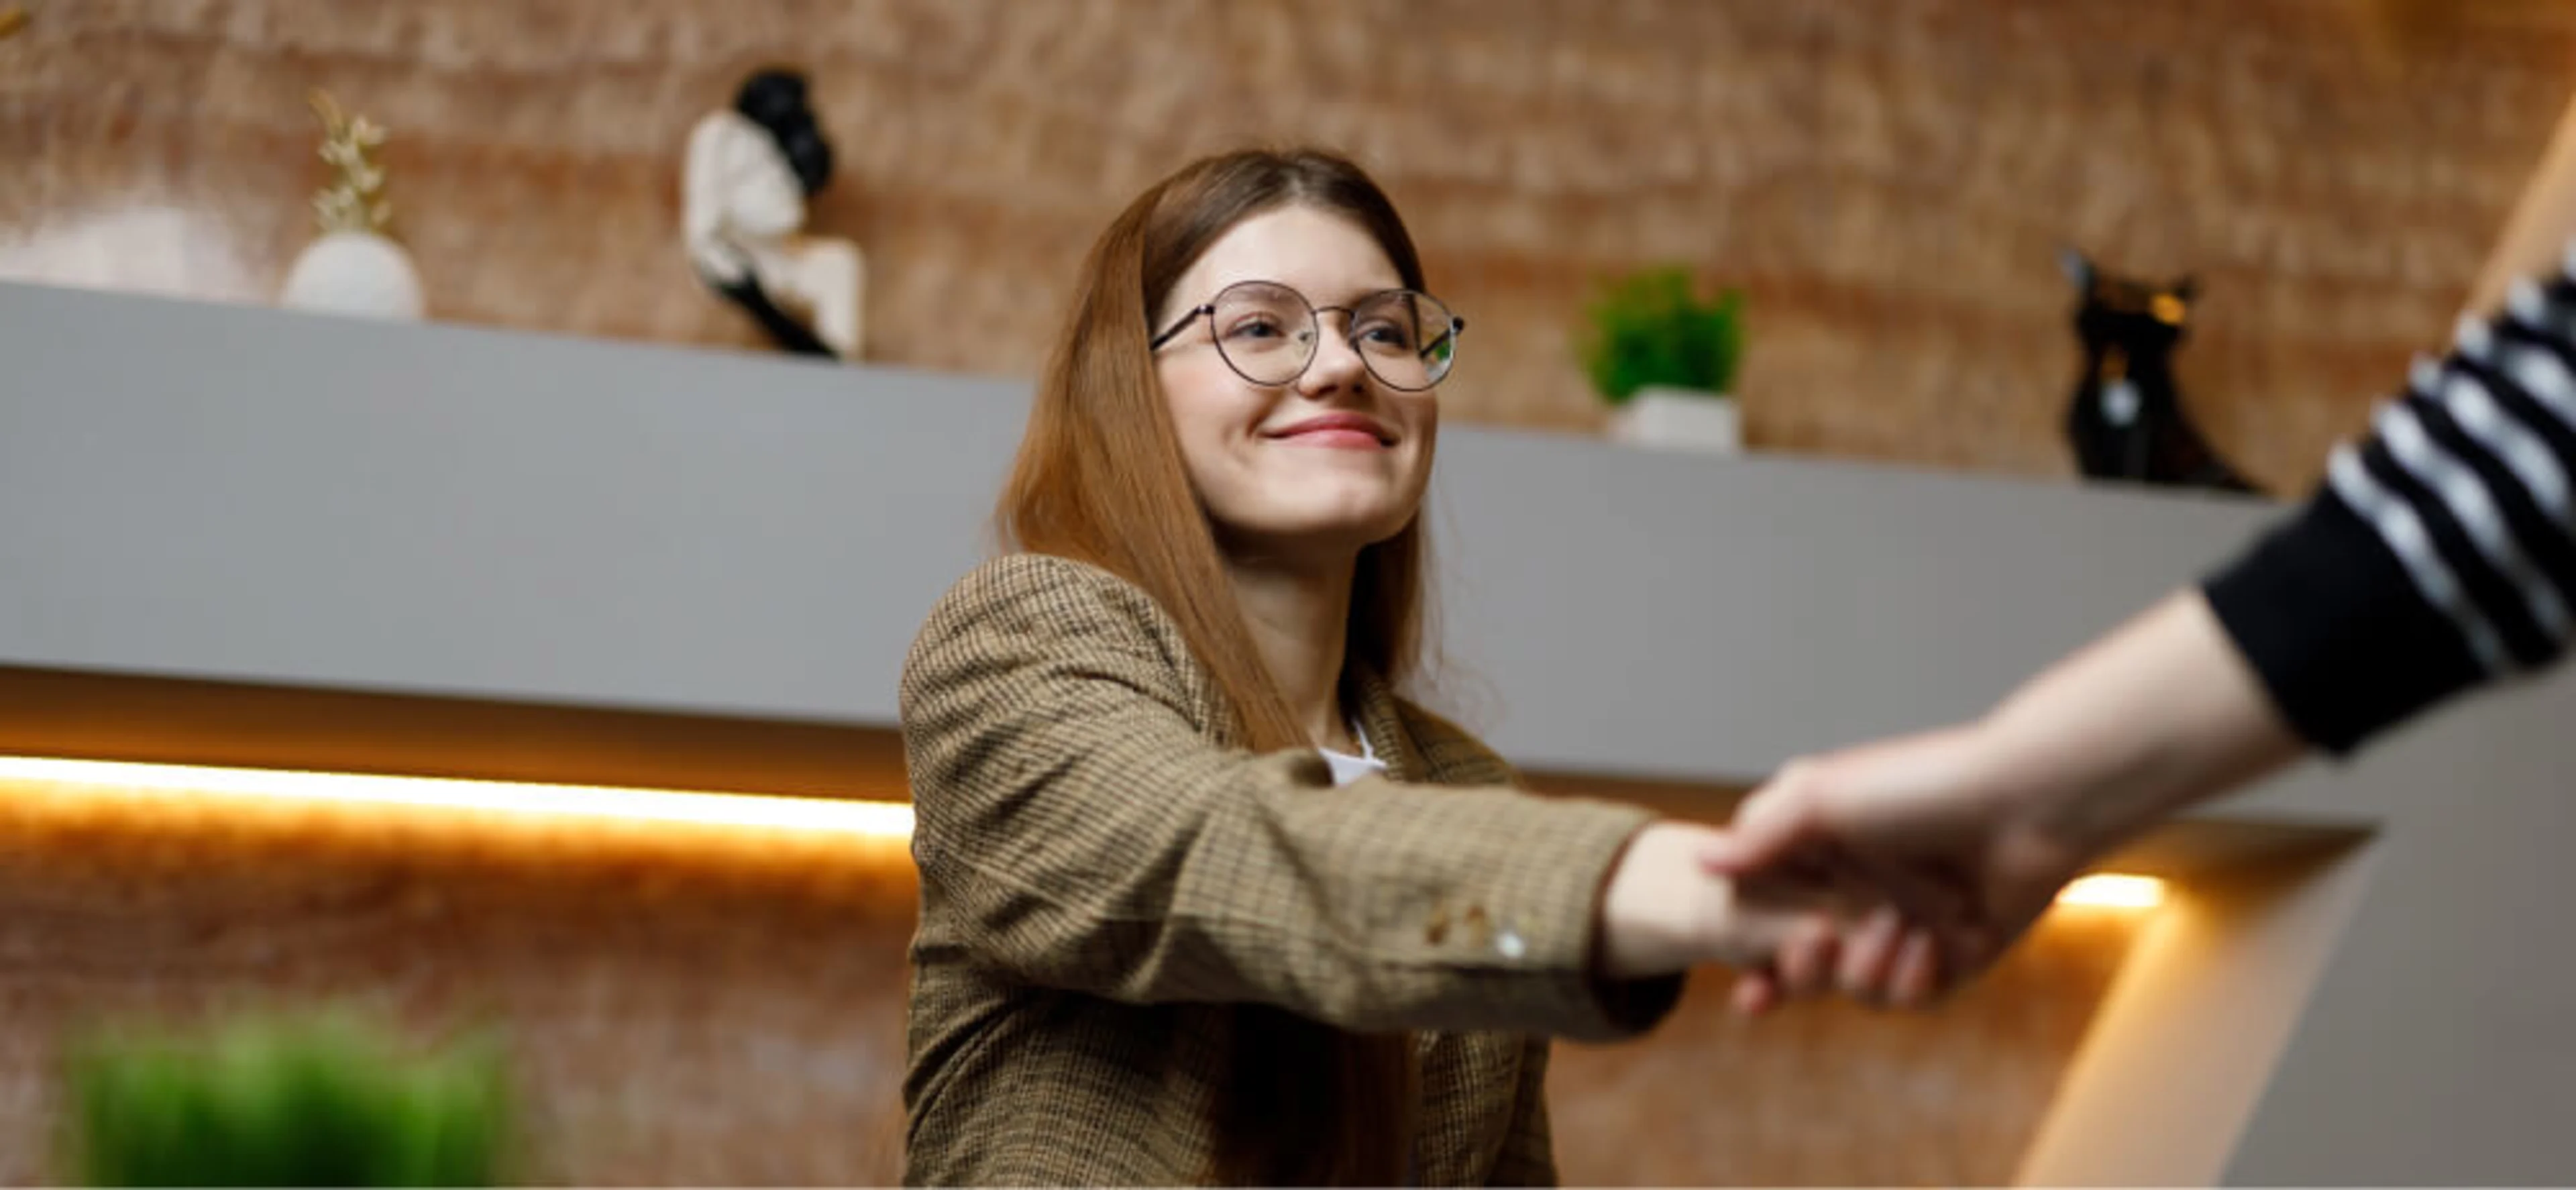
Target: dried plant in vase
{"x":355,"y":266}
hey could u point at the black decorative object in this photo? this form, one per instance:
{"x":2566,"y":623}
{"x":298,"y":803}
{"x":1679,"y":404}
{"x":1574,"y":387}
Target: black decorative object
{"x":783,"y":329}
{"x":775,"y":100}
{"x":2126,"y":420}
{"x":752,"y":169}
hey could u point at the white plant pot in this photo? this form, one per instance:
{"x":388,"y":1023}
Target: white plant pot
{"x":1679,"y":419}
{"x":354,"y":272}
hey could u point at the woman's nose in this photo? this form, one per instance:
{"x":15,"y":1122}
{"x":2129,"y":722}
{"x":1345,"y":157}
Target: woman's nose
{"x":1337,"y":363}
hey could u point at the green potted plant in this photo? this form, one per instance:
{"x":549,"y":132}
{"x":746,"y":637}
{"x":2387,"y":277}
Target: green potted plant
{"x":327,"y":1102}
{"x":1665,"y":358}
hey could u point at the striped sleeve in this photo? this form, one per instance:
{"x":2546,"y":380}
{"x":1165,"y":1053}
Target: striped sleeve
{"x":2440,"y":552}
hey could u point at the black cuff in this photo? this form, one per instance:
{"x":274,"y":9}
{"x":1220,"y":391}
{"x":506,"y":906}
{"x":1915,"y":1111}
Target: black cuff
{"x":2336,"y":629}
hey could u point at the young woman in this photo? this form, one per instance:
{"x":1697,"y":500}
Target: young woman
{"x":1202,"y":897}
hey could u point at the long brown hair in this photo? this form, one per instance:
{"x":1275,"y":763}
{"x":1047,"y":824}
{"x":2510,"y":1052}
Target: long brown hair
{"x":1100,"y":479}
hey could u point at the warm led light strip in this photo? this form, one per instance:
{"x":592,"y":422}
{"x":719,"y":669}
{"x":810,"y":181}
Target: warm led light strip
{"x":2114,"y":892}
{"x":827,"y":815}
{"x":885,"y":820}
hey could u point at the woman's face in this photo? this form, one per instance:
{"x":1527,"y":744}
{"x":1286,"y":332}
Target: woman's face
{"x":1327,"y":463}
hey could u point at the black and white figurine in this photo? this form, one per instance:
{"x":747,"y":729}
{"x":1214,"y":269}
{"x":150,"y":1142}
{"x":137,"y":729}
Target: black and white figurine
{"x":751,"y":168}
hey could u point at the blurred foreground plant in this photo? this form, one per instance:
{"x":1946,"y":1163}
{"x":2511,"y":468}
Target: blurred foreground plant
{"x":327,"y":1102}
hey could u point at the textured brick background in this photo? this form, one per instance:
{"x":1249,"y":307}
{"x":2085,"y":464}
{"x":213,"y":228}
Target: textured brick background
{"x":1889,"y":179}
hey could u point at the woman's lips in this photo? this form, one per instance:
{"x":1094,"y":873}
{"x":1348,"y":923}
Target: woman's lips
{"x":1338,"y":431}
{"x":1335,"y":439}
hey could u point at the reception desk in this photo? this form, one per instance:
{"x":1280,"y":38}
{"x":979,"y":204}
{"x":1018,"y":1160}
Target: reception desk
{"x":239,"y":539}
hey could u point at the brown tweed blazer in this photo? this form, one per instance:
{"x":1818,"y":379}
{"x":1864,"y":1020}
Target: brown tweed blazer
{"x":1102,"y":884}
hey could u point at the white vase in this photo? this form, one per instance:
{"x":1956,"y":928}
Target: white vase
{"x":354,"y":272}
{"x":1679,"y":419}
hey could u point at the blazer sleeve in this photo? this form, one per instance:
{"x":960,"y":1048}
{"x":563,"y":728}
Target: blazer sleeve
{"x":1079,"y":832}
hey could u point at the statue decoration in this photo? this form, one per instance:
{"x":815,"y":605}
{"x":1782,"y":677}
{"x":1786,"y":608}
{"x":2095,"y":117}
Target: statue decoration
{"x":355,"y":266}
{"x":2126,"y":420}
{"x":750,"y":169}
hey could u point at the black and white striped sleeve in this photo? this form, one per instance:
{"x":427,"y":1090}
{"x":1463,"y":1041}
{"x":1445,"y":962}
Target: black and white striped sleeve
{"x":2440,"y":552}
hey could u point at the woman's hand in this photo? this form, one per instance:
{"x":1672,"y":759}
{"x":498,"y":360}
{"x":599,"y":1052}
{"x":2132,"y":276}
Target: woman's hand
{"x":1665,"y":911}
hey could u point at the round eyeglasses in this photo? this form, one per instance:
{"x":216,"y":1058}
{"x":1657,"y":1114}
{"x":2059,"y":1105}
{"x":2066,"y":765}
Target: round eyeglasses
{"x":1268,"y":333}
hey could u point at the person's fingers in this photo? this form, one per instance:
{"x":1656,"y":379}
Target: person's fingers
{"x":1754,"y":993}
{"x":1806,"y":959}
{"x":1916,"y":979}
{"x":1815,"y":867}
{"x":1869,"y":956}
{"x":1927,"y":891}
{"x":1779,"y":819}
{"x":1738,"y":852}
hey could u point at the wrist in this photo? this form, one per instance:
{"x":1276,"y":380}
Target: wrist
{"x":2063,"y":794}
{"x":2156,"y":717}
{"x":1634,"y":936}
{"x":1647,"y":905}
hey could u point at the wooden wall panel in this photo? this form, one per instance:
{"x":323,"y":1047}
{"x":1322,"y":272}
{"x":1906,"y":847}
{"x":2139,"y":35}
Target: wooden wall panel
{"x":1839,"y":1095}
{"x":697,"y":1006}
{"x":1889,"y":178}
{"x":725,"y":1006}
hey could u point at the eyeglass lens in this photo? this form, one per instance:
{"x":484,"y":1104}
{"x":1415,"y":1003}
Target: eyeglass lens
{"x":1268,"y":333}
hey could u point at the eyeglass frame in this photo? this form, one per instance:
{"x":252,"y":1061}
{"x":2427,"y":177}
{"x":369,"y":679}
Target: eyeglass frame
{"x":1315,"y":313}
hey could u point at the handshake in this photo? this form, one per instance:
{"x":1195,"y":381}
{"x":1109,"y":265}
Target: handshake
{"x":1882,"y":874}
{"x":1893,"y":873}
